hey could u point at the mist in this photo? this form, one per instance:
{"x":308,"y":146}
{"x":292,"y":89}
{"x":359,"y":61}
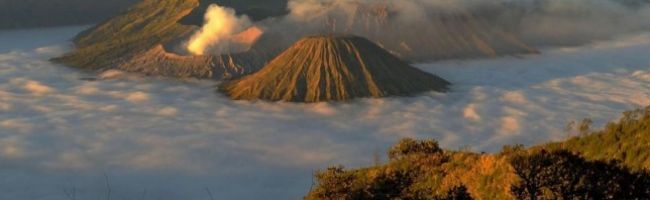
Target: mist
{"x":174,"y":139}
{"x":63,"y":129}
{"x":558,"y":22}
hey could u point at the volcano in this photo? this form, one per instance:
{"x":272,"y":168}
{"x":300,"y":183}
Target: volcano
{"x":137,"y":40}
{"x":146,"y":38}
{"x":333,"y":68}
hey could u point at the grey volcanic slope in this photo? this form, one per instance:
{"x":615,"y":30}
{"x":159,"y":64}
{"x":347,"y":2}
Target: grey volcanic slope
{"x":333,"y":68}
{"x":157,"y":61}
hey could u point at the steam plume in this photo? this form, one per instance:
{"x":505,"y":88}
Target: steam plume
{"x":219,"y":34}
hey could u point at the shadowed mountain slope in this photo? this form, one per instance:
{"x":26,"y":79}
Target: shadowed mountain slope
{"x":459,"y":35}
{"x":333,"y":68}
{"x":255,"y":9}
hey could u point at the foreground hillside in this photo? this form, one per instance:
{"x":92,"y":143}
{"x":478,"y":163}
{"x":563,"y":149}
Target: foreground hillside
{"x":627,"y":141}
{"x":607,"y":164}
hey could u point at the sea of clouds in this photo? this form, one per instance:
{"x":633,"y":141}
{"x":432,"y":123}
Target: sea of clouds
{"x":66,"y":132}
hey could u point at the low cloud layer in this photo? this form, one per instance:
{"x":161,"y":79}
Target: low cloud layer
{"x":174,"y":138}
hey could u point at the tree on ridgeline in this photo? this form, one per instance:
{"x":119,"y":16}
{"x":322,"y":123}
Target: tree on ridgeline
{"x":562,"y":174}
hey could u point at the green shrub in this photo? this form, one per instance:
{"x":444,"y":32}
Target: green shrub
{"x":564,"y":175}
{"x":627,"y":140}
{"x":410,"y":146}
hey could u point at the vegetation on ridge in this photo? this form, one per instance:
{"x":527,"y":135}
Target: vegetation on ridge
{"x":627,"y":141}
{"x":607,"y":164}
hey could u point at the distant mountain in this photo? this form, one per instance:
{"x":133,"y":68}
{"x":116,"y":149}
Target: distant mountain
{"x":436,"y":35}
{"x":145,"y":38}
{"x":136,"y":41}
{"x":333,"y":68}
{"x":49,"y":13}
{"x":255,"y":9}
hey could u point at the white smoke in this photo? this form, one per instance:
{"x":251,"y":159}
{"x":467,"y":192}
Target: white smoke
{"x":219,"y":34}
